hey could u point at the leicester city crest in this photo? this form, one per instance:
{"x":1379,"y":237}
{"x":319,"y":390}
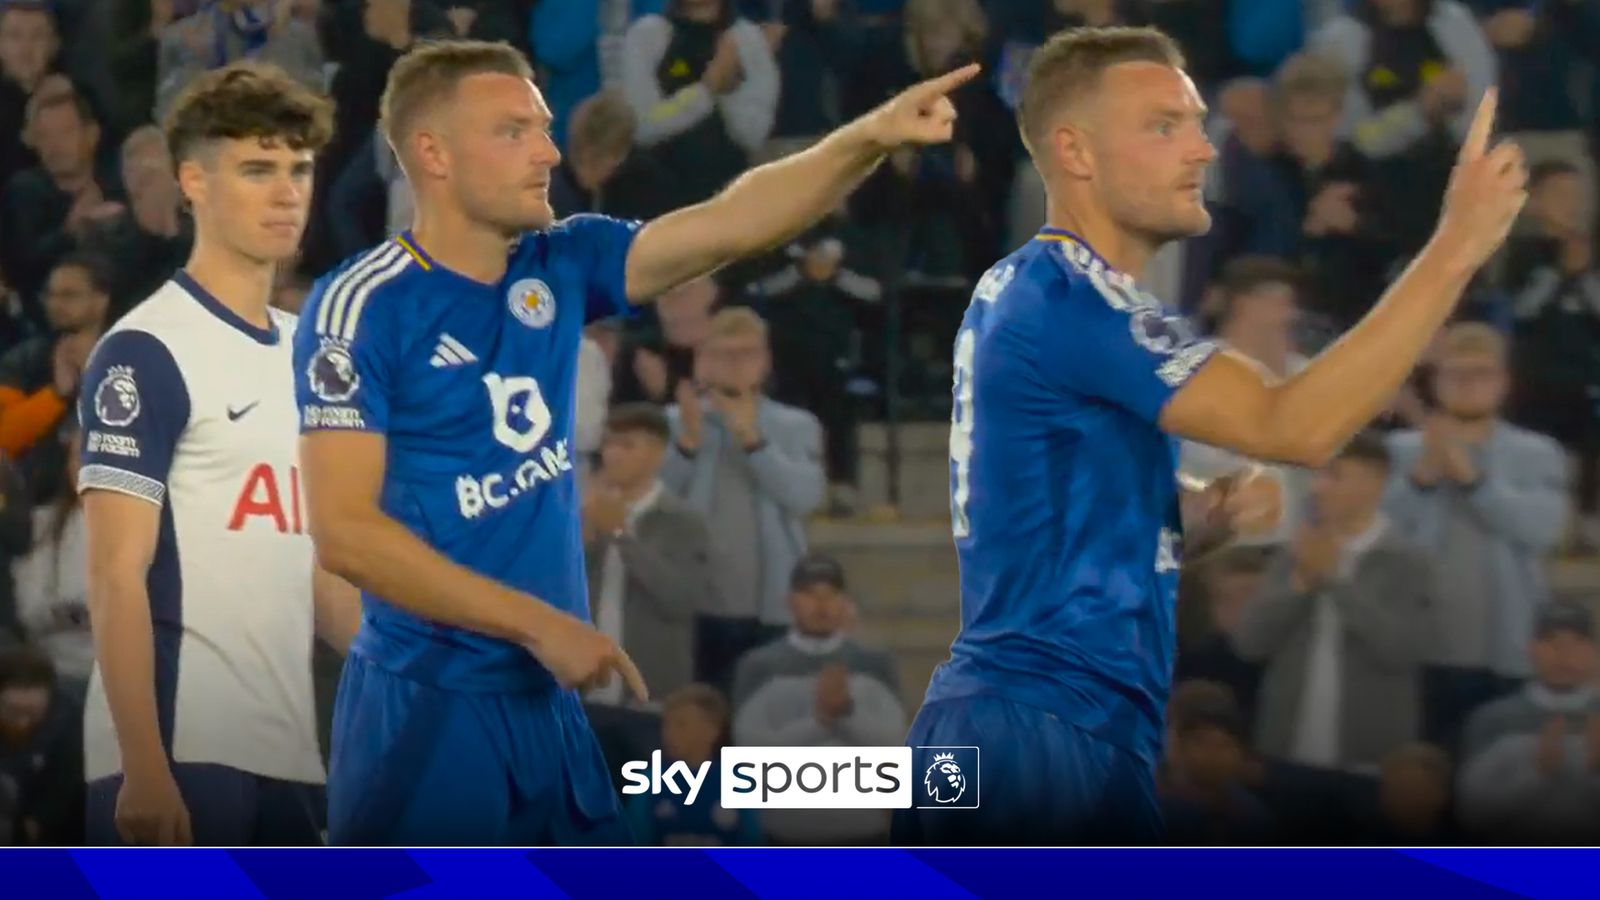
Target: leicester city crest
{"x":332,"y":373}
{"x":116,"y":400}
{"x":532,"y":302}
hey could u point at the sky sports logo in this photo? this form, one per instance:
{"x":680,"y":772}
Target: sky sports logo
{"x":819,"y":778}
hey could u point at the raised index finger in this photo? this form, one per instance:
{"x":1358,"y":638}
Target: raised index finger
{"x":1477,"y":141}
{"x":949,"y":81}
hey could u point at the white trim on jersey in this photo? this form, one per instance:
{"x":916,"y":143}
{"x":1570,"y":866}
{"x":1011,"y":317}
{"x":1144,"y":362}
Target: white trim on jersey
{"x":121,"y":481}
{"x":450,"y":352}
{"x":330,"y":318}
{"x":360,"y":294}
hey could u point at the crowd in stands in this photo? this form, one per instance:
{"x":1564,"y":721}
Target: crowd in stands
{"x":1388,"y":665}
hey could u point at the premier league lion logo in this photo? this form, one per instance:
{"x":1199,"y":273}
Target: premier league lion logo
{"x":1159,"y":333}
{"x":944,"y":780}
{"x":332,"y":373}
{"x":116,"y":400}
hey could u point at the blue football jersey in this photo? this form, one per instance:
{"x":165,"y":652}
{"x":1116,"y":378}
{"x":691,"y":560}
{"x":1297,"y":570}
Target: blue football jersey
{"x":1064,"y":492}
{"x":474,"y":386}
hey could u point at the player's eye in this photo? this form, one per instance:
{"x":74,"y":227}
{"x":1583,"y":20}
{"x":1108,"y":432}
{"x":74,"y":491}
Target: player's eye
{"x":1165,"y":127}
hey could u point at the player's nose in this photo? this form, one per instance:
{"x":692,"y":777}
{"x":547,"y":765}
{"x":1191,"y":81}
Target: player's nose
{"x":546,"y":153}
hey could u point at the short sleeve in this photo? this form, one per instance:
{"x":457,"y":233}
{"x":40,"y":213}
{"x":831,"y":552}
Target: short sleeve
{"x":603,"y":243}
{"x":1120,"y":345}
{"x":133,"y":410}
{"x":343,"y":362}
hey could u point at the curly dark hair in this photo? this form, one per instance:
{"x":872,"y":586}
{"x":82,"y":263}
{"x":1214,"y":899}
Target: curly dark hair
{"x":247,"y":100}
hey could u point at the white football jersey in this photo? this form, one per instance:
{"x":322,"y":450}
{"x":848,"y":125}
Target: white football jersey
{"x":191,"y":408}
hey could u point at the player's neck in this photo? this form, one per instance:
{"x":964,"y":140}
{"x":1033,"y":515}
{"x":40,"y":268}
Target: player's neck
{"x":1121,"y":249}
{"x":244,"y":286}
{"x":463,"y":247}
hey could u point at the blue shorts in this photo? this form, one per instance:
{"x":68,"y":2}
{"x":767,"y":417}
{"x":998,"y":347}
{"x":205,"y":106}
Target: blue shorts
{"x":416,"y":765}
{"x":1041,"y":781}
{"x":227,"y":808}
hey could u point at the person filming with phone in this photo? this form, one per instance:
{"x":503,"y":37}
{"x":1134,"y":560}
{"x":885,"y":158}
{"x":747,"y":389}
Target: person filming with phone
{"x":752,"y":467}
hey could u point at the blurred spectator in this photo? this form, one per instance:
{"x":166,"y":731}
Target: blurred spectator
{"x":693,"y":720}
{"x":1203,"y":794}
{"x":752,"y":467}
{"x":1542,"y":49}
{"x":704,"y":88}
{"x":52,"y":581}
{"x":812,"y":306}
{"x":370,"y":200}
{"x":818,"y":45}
{"x":1263,"y":33}
{"x":151,"y":238}
{"x":1554,"y":281}
{"x":657,"y":360}
{"x":947,"y":200}
{"x":603,"y":171}
{"x":649,"y":569}
{"x":135,"y":48}
{"x":41,"y":754}
{"x":1487,"y":501}
{"x":1212,"y":595}
{"x":1338,"y":204}
{"x":365,"y":37}
{"x":1414,"y":792}
{"x":16,"y":538}
{"x":29,"y":43}
{"x":490,"y":20}
{"x":1253,"y":208}
{"x":1258,"y":314}
{"x":1419,"y":67}
{"x":1531,"y":761}
{"x":578,"y":48}
{"x":39,"y":378}
{"x":46,"y":209}
{"x":818,"y":687}
{"x":224,"y":31}
{"x":1342,"y":625}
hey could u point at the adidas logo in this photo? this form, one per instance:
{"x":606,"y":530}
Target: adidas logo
{"x":450,"y":352}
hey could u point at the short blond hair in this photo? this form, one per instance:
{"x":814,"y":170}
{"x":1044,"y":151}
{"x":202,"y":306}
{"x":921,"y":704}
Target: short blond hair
{"x":604,"y":121}
{"x":1070,"y":65}
{"x":1310,"y":76}
{"x":966,"y":15}
{"x":1473,"y":339}
{"x":429,"y":74}
{"x":738,"y":321}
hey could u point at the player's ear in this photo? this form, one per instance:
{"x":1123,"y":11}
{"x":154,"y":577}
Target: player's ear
{"x":192,"y":180}
{"x":1072,"y":152}
{"x":429,"y":152}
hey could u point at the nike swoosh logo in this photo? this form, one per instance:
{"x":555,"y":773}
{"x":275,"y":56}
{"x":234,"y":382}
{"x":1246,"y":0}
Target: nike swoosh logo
{"x":235,"y":415}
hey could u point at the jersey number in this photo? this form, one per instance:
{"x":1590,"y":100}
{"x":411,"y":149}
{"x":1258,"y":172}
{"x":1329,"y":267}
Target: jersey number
{"x":961,"y":431}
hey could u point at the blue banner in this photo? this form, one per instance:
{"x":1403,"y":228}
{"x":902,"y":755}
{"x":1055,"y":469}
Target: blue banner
{"x":710,"y":874}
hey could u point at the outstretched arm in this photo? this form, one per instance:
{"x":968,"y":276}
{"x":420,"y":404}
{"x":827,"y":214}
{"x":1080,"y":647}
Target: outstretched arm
{"x":1305,"y":419}
{"x":772,"y":203}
